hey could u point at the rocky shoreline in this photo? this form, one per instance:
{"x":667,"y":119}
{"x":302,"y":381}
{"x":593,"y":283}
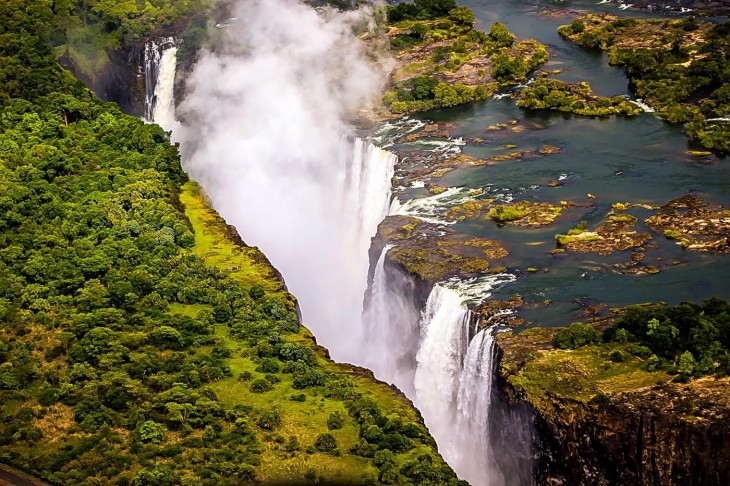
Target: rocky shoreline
{"x":709,"y":8}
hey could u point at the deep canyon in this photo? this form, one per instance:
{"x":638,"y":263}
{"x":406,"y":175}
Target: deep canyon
{"x":263,"y":126}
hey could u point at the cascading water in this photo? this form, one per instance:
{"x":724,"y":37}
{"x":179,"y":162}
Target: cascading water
{"x":390,"y":324}
{"x":160,"y":66}
{"x":444,"y":338}
{"x":369,"y":190}
{"x":454,"y":367}
{"x":267,"y":142}
{"x":474,"y":458}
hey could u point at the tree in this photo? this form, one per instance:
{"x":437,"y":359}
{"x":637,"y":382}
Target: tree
{"x":151,"y":432}
{"x":462,"y":16}
{"x":576,"y":336}
{"x":500,"y":35}
{"x":325,"y":442}
{"x":687,"y":364}
{"x":166,"y":337}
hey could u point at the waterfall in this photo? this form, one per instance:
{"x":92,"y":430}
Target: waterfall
{"x":453,"y":377}
{"x":369,"y":189}
{"x":390,"y":324}
{"x":265,"y":136}
{"x":444,"y":336}
{"x":160,"y":67}
{"x":474,"y":399}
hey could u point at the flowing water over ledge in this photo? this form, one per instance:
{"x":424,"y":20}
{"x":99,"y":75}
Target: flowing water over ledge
{"x":430,"y":345}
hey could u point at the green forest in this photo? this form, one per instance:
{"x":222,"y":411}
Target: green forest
{"x":685,"y":340}
{"x":141,"y":342}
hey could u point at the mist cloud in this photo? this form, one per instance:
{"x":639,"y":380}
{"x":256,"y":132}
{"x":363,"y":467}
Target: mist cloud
{"x":264,"y":135}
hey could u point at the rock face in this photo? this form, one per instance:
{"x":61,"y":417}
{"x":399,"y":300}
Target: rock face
{"x":668,"y":434}
{"x":645,"y":437}
{"x":120,"y":81}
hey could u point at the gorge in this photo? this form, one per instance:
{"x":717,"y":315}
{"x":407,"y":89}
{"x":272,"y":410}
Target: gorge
{"x":442,"y":252}
{"x":325,"y":179}
{"x":332,"y":189}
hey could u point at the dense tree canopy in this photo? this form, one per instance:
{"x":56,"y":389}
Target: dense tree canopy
{"x":688,"y":333}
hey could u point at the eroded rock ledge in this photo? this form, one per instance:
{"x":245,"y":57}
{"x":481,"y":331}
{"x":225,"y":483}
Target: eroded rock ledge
{"x":643,"y":433}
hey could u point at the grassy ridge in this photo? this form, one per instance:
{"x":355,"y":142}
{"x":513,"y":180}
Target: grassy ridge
{"x":215,"y":243}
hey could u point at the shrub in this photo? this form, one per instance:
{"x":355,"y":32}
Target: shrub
{"x":151,"y":432}
{"x":256,"y":292}
{"x":577,"y":26}
{"x":335,"y":421}
{"x":411,"y":430}
{"x":653,"y":362}
{"x":309,"y":379}
{"x":641,"y":351}
{"x":292,"y":445}
{"x":462,"y":16}
{"x":222,"y":313}
{"x":49,"y":396}
{"x":363,"y":449}
{"x":300,"y":397}
{"x":245,"y":376}
{"x":421,"y":469}
{"x":577,"y":335}
{"x":269,"y":419}
{"x":364,"y":410}
{"x":616,"y":356}
{"x":220,"y":351}
{"x":396,"y":442}
{"x":507,"y":213}
{"x":261,"y":385}
{"x":326,"y":442}
{"x":621,"y":336}
{"x":500,"y":35}
{"x":372,"y":433}
{"x":268,"y":365}
{"x":383,"y":457}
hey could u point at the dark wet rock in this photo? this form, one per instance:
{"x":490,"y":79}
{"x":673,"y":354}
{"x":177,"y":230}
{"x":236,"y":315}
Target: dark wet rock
{"x":500,"y":312}
{"x":603,"y":423}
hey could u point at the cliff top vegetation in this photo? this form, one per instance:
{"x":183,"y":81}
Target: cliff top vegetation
{"x":637,"y":348}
